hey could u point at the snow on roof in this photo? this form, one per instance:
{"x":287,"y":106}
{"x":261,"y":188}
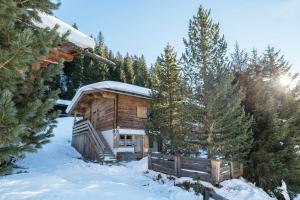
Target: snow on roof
{"x":111,"y":86}
{"x":63,"y":102}
{"x":75,"y":36}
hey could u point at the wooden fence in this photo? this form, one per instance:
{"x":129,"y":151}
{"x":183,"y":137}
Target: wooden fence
{"x":214,"y":171}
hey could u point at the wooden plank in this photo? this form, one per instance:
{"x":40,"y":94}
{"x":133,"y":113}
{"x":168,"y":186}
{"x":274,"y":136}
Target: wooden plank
{"x":162,"y":169}
{"x":195,"y":160}
{"x":196,"y":164}
{"x":162,"y":156}
{"x":108,"y":95}
{"x":200,"y":164}
{"x":224,"y":169}
{"x":192,"y":174}
{"x":205,"y":169}
{"x":165,"y":163}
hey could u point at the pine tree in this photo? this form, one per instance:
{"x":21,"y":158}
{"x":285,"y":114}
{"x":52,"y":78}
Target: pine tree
{"x":119,"y":71}
{"x":224,"y":126}
{"x":166,"y":121}
{"x":274,"y":155}
{"x":111,"y":68}
{"x":9,"y":136}
{"x":128,"y":69}
{"x":87,"y":70}
{"x":101,"y":67}
{"x":72,"y":75}
{"x":239,"y":59}
{"x":140,"y":71}
{"x":26,"y":97}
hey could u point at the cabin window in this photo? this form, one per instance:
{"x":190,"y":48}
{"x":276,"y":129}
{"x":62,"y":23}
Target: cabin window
{"x":128,"y":140}
{"x":142,"y":112}
{"x":125,"y":141}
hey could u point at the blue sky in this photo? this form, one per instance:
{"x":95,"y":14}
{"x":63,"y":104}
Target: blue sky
{"x":146,"y":26}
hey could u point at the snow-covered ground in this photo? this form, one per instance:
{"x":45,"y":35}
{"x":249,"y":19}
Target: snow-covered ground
{"x":56,"y":172}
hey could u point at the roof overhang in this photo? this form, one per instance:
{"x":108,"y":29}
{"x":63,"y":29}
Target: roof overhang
{"x":77,"y":42}
{"x":75,"y":36}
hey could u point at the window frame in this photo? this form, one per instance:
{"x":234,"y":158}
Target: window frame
{"x":123,"y":142}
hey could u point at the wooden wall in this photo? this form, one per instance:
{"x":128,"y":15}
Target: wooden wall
{"x":127,"y":112}
{"x":84,"y":146}
{"x":101,"y":111}
{"x":87,"y":113}
{"x":103,"y":114}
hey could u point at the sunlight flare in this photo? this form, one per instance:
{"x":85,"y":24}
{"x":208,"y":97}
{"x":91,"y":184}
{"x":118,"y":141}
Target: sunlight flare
{"x":287,"y":81}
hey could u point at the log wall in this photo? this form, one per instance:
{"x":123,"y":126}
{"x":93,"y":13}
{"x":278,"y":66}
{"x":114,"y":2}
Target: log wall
{"x":127,"y":112}
{"x":103,"y":114}
{"x":116,"y":111}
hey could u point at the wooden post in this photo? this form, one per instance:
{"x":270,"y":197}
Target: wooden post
{"x":149,"y":161}
{"x":231,"y":170}
{"x":177,"y":167}
{"x":215,"y":172}
{"x":241,"y":169}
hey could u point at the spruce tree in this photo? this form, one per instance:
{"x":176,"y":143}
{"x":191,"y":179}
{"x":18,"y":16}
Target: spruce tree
{"x":140,"y":71}
{"x":119,"y":71}
{"x":72,"y":76}
{"x":87,"y":70}
{"x":100,"y":67}
{"x":274,"y":155}
{"x":26,"y":96}
{"x":239,"y":59}
{"x":166,"y":119}
{"x":128,"y":69}
{"x":224,"y":128}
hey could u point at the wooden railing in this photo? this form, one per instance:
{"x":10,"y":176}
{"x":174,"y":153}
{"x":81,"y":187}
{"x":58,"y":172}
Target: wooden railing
{"x":85,"y":127}
{"x":214,"y":171}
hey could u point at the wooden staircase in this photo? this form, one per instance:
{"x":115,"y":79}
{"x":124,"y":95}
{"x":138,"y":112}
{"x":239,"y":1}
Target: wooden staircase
{"x":85,"y":128}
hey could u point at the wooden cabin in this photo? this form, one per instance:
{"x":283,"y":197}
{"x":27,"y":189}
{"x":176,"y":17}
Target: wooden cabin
{"x":112,"y":119}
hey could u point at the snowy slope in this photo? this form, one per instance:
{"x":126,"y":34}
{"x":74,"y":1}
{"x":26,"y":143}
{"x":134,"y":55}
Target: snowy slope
{"x":55,"y":172}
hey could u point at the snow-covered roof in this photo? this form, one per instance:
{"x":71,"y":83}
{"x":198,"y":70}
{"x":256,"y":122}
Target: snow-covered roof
{"x":76,"y":37}
{"x":63,"y":102}
{"x":110,"y":86}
